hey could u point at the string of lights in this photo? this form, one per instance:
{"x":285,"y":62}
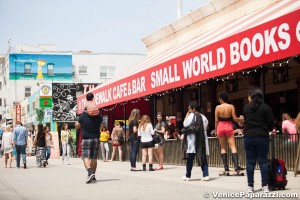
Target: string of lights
{"x":226,"y":77}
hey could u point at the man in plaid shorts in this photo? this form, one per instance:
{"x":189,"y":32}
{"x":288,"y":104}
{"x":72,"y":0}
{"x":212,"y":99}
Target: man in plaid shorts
{"x":90,"y":140}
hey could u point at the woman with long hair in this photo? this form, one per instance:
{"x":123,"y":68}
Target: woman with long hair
{"x":224,"y":114}
{"x":49,"y":143}
{"x":195,"y":144}
{"x":40,"y":144}
{"x":65,"y":137}
{"x":145,"y":131}
{"x":116,"y":133}
{"x":7,"y":146}
{"x":133,"y":137}
{"x":104,"y":137}
{"x":160,"y":130}
{"x":259,"y":120}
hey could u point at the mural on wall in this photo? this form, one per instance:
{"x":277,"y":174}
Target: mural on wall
{"x":40,"y":66}
{"x":64,"y":98}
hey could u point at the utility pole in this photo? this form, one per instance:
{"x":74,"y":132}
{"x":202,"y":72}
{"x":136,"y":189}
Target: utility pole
{"x":179,"y":9}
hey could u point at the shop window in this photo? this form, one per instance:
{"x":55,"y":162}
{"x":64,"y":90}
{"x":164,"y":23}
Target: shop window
{"x":232,"y":84}
{"x":280,"y":75}
{"x":50,"y":69}
{"x":107,"y":72}
{"x":27,"y":91}
{"x":82,"y":69}
{"x":27,"y":68}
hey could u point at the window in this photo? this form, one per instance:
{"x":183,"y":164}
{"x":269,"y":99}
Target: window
{"x":0,"y":101}
{"x":73,"y":71}
{"x":82,"y":69}
{"x":27,"y":91}
{"x":50,"y":69}
{"x":0,"y":85}
{"x":107,"y":72}
{"x":27,"y":68}
{"x":33,"y":105}
{"x":28,"y":108}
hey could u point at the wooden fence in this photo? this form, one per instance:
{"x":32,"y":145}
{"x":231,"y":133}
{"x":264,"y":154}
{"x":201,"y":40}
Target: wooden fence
{"x":285,"y":148}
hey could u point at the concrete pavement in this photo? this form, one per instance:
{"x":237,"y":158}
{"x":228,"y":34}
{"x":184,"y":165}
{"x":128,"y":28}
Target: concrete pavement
{"x":116,"y":181}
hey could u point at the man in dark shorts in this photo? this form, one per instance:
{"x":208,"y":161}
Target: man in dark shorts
{"x":90,"y":140}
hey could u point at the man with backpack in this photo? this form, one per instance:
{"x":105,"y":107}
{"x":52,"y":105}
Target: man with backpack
{"x":89,"y":121}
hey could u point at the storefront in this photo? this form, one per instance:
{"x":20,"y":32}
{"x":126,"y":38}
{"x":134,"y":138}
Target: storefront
{"x":259,"y":49}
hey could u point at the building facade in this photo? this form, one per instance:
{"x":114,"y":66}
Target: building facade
{"x":25,"y":67}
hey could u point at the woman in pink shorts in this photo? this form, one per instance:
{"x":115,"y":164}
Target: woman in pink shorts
{"x":224,"y":114}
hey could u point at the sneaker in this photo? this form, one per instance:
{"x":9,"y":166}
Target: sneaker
{"x":186,"y":178}
{"x":94,"y":179}
{"x":265,"y":189}
{"x":90,"y":178}
{"x":206,"y":178}
{"x":135,"y":170}
{"x":250,"y":189}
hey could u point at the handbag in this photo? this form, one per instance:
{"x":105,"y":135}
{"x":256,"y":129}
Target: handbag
{"x":121,"y":140}
{"x":156,"y":138}
{"x":193,"y":127}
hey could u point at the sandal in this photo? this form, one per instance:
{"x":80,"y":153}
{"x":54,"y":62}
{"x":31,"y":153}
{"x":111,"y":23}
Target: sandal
{"x":159,"y":168}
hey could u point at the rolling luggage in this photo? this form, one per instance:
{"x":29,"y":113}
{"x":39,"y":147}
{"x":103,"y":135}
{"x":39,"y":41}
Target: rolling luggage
{"x":277,"y":171}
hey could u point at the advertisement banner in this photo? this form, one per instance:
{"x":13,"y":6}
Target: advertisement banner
{"x":64,"y":97}
{"x":273,"y":40}
{"x":55,"y":150}
{"x":46,"y":102}
{"x":46,"y":90}
{"x":40,"y":66}
{"x":18,"y":112}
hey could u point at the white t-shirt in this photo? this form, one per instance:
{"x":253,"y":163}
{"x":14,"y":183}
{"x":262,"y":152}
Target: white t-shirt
{"x":146,"y":135}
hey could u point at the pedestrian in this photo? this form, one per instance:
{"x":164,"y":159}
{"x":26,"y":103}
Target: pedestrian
{"x":145,"y":131}
{"x":224,"y":114}
{"x":65,"y":137}
{"x":117,"y":133}
{"x":20,"y":142}
{"x":90,"y":125}
{"x":160,"y":130}
{"x":1,"y":134}
{"x":133,"y":137}
{"x":194,"y":143}
{"x":29,"y":144}
{"x":259,"y":121}
{"x":7,"y":146}
{"x":40,"y":144}
{"x":49,"y":143}
{"x":104,"y":137}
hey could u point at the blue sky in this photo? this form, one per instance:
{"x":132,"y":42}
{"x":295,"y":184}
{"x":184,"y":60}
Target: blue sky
{"x":102,"y":26}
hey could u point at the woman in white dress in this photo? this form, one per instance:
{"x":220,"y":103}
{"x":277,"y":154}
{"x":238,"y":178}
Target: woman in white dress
{"x":7,"y":146}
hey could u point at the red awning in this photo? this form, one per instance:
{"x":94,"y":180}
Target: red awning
{"x":269,"y":34}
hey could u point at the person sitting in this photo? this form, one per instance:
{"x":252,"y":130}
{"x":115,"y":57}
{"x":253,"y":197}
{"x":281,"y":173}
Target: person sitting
{"x":288,"y":126}
{"x":238,"y":127}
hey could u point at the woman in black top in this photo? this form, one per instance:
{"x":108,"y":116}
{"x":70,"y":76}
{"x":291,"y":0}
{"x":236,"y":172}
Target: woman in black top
{"x":259,"y":121}
{"x":40,"y":144}
{"x":133,"y":138}
{"x":160,"y":129}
